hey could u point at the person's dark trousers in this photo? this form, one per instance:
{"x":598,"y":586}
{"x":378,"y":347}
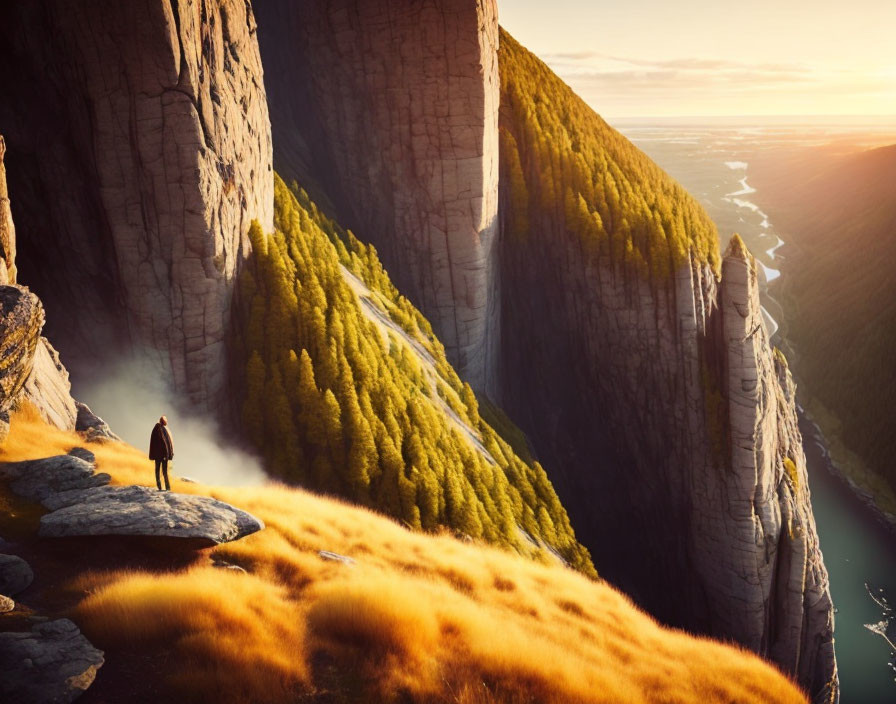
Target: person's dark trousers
{"x":163,"y":464}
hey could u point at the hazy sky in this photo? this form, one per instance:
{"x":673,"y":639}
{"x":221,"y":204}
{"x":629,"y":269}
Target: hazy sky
{"x":716,"y":57}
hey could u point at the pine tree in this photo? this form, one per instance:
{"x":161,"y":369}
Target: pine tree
{"x":253,"y":415}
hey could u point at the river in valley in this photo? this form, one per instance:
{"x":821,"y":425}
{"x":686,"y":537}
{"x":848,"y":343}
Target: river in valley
{"x":711,"y":160}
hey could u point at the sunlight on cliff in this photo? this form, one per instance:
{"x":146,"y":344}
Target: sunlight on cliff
{"x":132,"y":396}
{"x":417,"y":617}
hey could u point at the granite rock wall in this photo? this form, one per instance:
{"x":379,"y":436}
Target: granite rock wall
{"x":392,"y":109}
{"x":668,"y":426}
{"x":139,"y":152}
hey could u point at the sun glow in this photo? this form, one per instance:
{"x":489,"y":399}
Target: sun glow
{"x":700,"y":57}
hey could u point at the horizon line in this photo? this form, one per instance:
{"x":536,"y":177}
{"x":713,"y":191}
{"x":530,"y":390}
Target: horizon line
{"x":841,"y":116}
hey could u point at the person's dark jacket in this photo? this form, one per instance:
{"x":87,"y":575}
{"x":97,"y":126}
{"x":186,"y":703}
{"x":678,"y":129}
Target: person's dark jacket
{"x":161,"y":446}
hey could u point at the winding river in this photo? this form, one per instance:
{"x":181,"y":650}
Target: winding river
{"x":711,"y":162}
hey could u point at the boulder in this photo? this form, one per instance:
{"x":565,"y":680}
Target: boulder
{"x":53,"y":663}
{"x":95,"y":429}
{"x":141,"y":511}
{"x":84,"y":454}
{"x":15,"y":575}
{"x":36,"y":480}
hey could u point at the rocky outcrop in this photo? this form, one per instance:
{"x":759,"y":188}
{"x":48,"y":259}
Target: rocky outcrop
{"x":37,"y":480}
{"x":93,"y":428}
{"x":48,"y":388}
{"x":393,"y":108}
{"x":141,"y":511}
{"x":672,"y":440}
{"x":52,"y":664}
{"x":30,"y":368}
{"x":81,"y":504}
{"x":759,"y":558}
{"x":139,"y":152}
{"x":15,"y":575}
{"x":21,"y":319}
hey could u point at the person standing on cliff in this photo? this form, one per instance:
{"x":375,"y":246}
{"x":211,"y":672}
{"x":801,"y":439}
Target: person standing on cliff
{"x":161,"y":449}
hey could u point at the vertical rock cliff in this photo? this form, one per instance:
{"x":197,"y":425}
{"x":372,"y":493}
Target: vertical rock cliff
{"x":645,"y":379}
{"x":7,"y":228}
{"x":753,"y":537}
{"x":392,"y":107}
{"x":30,"y":367}
{"x":139,"y":152}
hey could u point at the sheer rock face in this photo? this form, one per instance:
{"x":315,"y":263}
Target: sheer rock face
{"x":7,"y":229}
{"x":394,"y":108}
{"x":15,"y":575}
{"x":46,"y":383}
{"x":668,"y":425}
{"x":139,"y":152}
{"x":780,"y":583}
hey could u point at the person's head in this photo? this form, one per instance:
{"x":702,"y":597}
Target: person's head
{"x":163,"y":421}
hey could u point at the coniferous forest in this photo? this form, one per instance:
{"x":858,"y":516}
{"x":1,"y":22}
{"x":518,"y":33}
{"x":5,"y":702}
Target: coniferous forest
{"x":374,"y":413}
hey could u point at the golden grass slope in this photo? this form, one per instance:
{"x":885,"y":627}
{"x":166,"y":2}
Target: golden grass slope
{"x":418,"y":618}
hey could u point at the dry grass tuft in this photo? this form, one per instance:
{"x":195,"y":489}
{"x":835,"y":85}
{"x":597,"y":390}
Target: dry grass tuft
{"x":238,"y":636}
{"x":375,"y":614}
{"x":419,"y":618}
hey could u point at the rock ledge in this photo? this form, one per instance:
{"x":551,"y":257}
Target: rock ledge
{"x":139,"y":510}
{"x":81,"y":504}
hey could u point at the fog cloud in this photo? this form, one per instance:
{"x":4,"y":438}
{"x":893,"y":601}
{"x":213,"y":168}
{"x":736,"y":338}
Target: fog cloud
{"x":132,"y":396}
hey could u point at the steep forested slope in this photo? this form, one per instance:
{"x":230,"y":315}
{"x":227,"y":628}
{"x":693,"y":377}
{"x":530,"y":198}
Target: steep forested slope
{"x":566,"y":164}
{"x":367,"y":406}
{"x":838,"y":216}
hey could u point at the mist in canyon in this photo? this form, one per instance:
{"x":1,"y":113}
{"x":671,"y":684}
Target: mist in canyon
{"x":133,"y":394}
